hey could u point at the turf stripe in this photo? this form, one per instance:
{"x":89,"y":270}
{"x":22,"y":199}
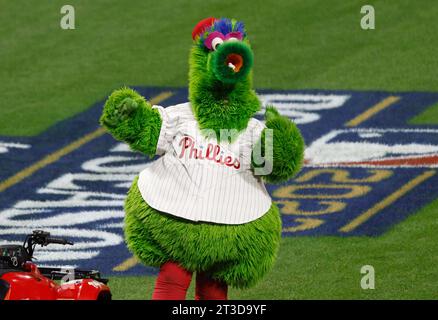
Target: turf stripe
{"x":387,"y":201}
{"x":306,"y":224}
{"x":372,"y":111}
{"x":127,"y":264}
{"x":55,"y":156}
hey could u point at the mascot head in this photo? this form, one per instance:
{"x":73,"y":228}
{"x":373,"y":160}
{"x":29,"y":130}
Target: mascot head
{"x":224,"y":45}
{"x":220,"y":75}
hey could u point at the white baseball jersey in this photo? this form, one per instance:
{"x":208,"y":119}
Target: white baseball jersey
{"x":199,"y":179}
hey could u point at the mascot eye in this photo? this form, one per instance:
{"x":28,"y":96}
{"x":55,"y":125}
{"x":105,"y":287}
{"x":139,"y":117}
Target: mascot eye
{"x":216,"y":42}
{"x":213,"y":40}
{"x":234,"y":36}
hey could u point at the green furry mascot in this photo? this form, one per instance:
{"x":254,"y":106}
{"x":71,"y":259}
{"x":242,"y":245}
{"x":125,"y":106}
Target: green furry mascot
{"x":202,"y":206}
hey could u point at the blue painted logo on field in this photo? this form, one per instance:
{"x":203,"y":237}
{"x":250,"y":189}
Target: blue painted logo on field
{"x":366,"y":169}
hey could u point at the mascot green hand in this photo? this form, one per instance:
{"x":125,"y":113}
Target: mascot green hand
{"x":202,"y":207}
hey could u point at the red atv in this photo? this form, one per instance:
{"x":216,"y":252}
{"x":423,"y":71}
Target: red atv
{"x":21,"y":279}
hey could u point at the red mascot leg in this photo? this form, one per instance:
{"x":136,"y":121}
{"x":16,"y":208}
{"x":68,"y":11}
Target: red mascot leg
{"x":210,"y":289}
{"x":172,"y":282}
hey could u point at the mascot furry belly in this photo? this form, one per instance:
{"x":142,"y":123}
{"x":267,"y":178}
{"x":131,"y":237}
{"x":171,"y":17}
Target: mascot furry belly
{"x":202,"y":206}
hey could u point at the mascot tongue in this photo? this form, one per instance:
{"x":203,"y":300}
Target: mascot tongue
{"x":234,"y":61}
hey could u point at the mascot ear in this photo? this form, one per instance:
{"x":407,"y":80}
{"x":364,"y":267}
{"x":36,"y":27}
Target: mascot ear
{"x":202,"y":26}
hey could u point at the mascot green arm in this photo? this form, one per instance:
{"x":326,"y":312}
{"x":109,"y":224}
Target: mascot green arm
{"x":128,"y":117}
{"x":287,"y":150}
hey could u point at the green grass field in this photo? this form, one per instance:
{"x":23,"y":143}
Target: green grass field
{"x":48,"y":74}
